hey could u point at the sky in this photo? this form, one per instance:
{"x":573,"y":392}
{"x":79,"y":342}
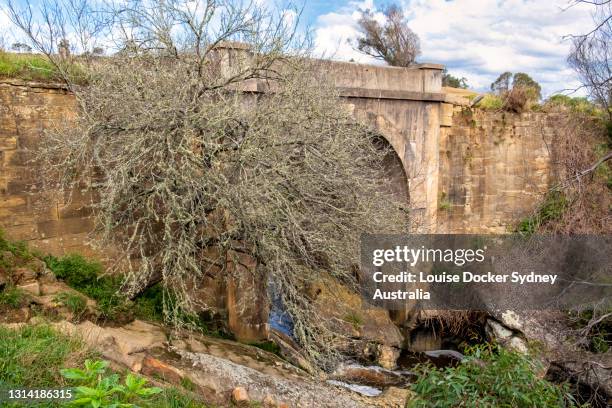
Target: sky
{"x":475,"y":39}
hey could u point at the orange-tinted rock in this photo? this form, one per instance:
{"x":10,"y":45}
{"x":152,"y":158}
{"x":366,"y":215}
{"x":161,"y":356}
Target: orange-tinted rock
{"x":154,"y":367}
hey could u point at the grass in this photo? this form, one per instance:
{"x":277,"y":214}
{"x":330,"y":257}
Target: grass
{"x":11,"y":296}
{"x":355,"y":319}
{"x":491,"y":102}
{"x":37,"y":67}
{"x":494,"y":377}
{"x":32,"y":356}
{"x":172,"y":397}
{"x":18,"y":249}
{"x":27,"y":67}
{"x":75,"y":303}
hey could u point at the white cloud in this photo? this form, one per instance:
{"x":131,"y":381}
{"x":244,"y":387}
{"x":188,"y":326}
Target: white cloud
{"x":478,"y":39}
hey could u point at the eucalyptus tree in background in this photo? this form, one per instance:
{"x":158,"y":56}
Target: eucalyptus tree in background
{"x":453,"y":81}
{"x":393,"y":41}
{"x":190,"y":167}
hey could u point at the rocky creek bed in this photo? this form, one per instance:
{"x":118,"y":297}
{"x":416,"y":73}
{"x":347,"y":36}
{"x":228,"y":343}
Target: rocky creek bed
{"x":223,"y":370}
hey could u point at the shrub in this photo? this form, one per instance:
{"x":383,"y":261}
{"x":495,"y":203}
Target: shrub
{"x":189,"y":171}
{"x":555,"y":203}
{"x":74,"y":269}
{"x":491,"y":102}
{"x":490,"y":377}
{"x":577,"y":104}
{"x":86,"y":277}
{"x":518,"y":99}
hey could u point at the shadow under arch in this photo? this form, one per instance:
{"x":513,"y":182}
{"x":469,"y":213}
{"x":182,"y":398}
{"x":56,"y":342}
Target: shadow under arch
{"x":393,"y":171}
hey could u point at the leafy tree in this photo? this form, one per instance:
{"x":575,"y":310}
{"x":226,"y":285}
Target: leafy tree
{"x":453,"y":81}
{"x":523,"y":80}
{"x":21,"y":47}
{"x":394,"y":42}
{"x":502,"y":83}
{"x":516,"y":90}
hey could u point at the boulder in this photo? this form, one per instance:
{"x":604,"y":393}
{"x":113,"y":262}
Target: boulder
{"x":386,"y":356}
{"x":33,"y":288}
{"x":154,"y":367}
{"x":392,"y":397}
{"x":23,"y":275}
{"x":373,"y":376}
{"x":371,"y":334}
{"x":512,"y":320}
{"x":518,"y":344}
{"x":497,"y":332}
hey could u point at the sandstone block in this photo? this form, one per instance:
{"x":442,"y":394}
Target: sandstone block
{"x":240,"y":395}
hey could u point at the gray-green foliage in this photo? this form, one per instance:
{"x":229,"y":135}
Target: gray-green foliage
{"x":190,"y":164}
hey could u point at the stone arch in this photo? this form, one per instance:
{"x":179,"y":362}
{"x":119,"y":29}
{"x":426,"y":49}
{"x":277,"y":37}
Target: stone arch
{"x":394,"y":170}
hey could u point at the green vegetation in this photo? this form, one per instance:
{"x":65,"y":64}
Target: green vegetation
{"x":445,"y":203}
{"x":75,"y":303}
{"x":27,"y":67}
{"x":491,"y":375}
{"x":172,"y":397}
{"x":11,"y":296}
{"x":16,"y":248}
{"x":577,"y":104}
{"x":355,"y":319}
{"x":453,"y":81}
{"x":149,"y":304}
{"x":37,"y":67}
{"x":96,"y":388}
{"x":86,"y":276}
{"x":32,"y":355}
{"x":269,"y":346}
{"x":555,"y":203}
{"x":491,"y":102}
{"x":604,"y":171}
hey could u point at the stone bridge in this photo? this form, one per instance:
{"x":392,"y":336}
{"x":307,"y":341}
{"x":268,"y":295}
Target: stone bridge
{"x":462,"y":170}
{"x":404,"y":105}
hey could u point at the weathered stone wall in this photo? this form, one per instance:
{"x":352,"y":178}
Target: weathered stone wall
{"x":494,"y":168}
{"x":26,"y":211}
{"x":489,"y":168}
